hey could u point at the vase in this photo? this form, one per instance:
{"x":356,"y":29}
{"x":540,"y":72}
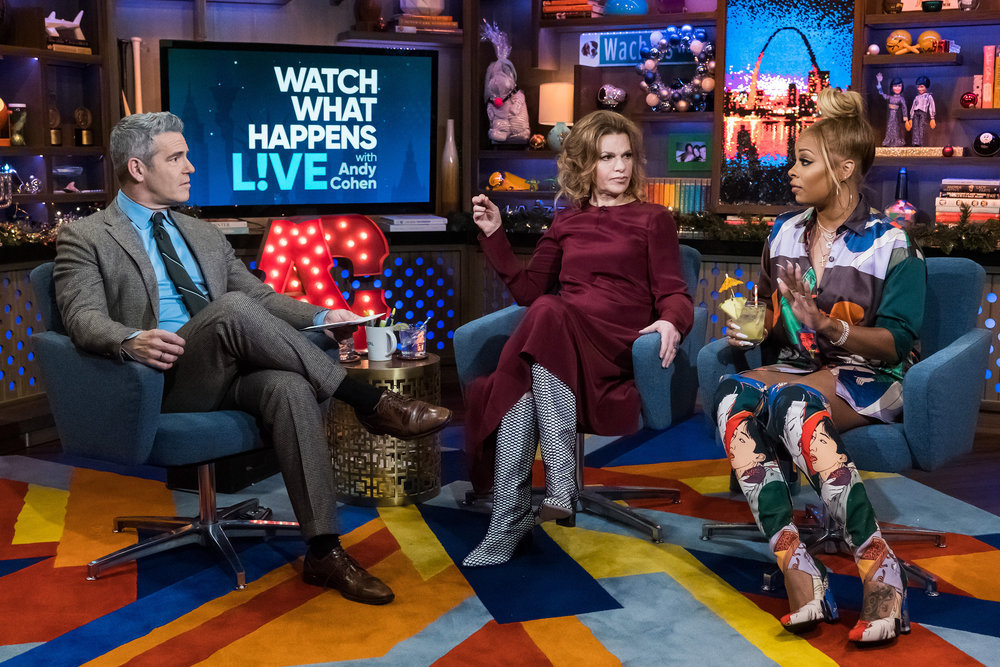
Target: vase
{"x":449,"y":171}
{"x":367,"y":14}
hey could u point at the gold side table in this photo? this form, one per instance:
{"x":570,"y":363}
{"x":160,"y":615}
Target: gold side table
{"x":379,"y":470}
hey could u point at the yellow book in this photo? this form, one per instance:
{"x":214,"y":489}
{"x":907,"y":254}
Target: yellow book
{"x":996,"y":80}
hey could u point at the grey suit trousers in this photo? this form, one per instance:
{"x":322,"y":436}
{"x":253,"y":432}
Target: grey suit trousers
{"x":237,"y":355}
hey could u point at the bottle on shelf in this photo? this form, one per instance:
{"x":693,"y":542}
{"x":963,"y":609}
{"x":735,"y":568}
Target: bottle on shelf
{"x":901,"y":211}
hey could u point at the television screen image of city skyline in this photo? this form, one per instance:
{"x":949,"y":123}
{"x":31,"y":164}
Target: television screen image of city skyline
{"x":778,"y":55}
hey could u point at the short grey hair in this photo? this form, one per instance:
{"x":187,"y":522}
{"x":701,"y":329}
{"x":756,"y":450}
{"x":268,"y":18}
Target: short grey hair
{"x":132,"y":137}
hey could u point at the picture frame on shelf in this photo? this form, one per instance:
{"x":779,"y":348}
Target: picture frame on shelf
{"x":689,"y":152}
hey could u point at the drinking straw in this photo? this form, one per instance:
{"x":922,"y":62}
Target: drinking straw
{"x":755,"y":295}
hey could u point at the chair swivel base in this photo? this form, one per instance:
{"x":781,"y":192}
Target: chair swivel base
{"x":212,"y":528}
{"x":599,"y":500}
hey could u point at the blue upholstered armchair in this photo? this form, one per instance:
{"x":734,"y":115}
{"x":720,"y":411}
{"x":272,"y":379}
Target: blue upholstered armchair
{"x":941,"y":394}
{"x":110,"y":411}
{"x":668,"y":394}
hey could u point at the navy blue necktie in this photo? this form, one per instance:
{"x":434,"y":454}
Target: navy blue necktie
{"x":190,"y":294}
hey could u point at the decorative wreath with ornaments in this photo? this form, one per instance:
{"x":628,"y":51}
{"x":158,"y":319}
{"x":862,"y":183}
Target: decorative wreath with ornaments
{"x":678,"y":95}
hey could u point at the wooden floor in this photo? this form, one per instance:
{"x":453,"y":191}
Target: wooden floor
{"x":974,"y":477}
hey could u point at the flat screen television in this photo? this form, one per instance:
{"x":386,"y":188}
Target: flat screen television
{"x":282,"y":130}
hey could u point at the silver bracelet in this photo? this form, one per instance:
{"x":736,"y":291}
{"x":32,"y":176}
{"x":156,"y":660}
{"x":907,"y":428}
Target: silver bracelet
{"x":843,"y":337}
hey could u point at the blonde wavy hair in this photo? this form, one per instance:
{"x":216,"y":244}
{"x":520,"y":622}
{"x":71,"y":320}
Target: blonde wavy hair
{"x":843,"y":133}
{"x":581,"y":152}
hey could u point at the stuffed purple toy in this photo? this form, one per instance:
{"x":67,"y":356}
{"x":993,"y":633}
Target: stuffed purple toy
{"x":505,"y":105}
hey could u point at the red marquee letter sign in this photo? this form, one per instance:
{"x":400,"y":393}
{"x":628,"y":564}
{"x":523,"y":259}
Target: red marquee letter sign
{"x":297,"y":259}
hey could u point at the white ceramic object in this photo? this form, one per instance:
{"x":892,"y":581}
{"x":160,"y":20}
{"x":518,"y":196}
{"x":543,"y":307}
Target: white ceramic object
{"x":422,"y":7}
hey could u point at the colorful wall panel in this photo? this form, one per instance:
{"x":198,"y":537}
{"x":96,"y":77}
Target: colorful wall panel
{"x":778,"y":55}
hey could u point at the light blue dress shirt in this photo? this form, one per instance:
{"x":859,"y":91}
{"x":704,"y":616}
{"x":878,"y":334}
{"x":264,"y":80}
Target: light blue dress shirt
{"x":173,"y":313}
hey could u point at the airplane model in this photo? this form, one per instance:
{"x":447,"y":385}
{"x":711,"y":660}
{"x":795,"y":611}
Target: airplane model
{"x":54,"y":25}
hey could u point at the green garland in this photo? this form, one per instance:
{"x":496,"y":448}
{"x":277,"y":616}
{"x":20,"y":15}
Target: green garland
{"x":714,"y":227}
{"x":965,"y":236}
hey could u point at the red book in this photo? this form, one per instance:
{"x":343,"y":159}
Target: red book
{"x":989,"y":59}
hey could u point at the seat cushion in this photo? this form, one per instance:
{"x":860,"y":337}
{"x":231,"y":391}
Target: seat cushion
{"x":193,"y":437}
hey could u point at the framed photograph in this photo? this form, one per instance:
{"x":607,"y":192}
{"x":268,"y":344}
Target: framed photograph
{"x":689,"y":152}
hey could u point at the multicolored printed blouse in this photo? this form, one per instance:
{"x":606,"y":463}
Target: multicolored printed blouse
{"x":875,"y":277}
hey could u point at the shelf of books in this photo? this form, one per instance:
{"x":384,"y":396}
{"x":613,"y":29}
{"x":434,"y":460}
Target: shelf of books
{"x":441,"y":24}
{"x":979,"y":199}
{"x":572,"y":9}
{"x":680,"y":195}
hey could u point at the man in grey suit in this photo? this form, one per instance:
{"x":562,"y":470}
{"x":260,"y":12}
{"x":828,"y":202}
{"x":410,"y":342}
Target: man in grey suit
{"x":142,"y":284}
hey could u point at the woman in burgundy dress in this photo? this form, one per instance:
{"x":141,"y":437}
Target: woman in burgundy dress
{"x":616,"y":263}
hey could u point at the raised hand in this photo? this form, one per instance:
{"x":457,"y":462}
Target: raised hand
{"x":799,"y":296}
{"x":485,"y":214}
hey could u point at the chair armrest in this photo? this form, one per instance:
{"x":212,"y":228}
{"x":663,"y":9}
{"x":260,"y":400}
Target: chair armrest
{"x":478,"y":343}
{"x":668,"y":394}
{"x":941,"y":397}
{"x":102,"y":408}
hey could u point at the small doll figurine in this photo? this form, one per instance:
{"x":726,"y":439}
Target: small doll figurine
{"x":897,"y":115}
{"x":922,"y":113}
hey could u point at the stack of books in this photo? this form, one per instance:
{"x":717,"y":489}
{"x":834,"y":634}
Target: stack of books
{"x":418,"y":222}
{"x":986,"y":86}
{"x":982,"y":196}
{"x":69,"y":45}
{"x":680,"y":195}
{"x":230,"y":225}
{"x":572,"y":9}
{"x":437,"y":25}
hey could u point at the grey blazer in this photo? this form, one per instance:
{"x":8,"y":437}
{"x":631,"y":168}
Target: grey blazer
{"x":106,"y":288}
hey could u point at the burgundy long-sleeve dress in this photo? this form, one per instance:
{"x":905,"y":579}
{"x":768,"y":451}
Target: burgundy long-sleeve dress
{"x":618,"y":270}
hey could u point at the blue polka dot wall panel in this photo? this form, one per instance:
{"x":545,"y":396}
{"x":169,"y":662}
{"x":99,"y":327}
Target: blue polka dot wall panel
{"x":19,"y":318}
{"x":423,"y":285}
{"x":487,"y":287}
{"x":707,"y":295}
{"x":989,"y":319}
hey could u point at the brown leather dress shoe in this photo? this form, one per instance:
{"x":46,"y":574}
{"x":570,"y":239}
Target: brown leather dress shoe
{"x":405,"y":418}
{"x":339,"y":571}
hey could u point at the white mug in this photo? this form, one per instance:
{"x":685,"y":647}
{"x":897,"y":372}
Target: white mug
{"x":381,"y":343}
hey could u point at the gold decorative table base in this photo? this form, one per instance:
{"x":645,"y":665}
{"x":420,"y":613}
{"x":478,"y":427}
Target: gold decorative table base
{"x":379,"y":470}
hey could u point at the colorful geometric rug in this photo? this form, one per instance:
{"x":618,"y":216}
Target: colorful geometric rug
{"x":596,"y":594}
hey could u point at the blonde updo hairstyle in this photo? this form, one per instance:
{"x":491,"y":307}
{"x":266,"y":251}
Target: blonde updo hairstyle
{"x":843,"y":133}
{"x":581,"y":152}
